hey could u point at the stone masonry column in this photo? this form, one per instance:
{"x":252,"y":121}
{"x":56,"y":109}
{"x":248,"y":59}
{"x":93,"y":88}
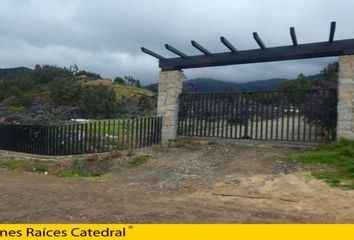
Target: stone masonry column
{"x":170,"y":87}
{"x":345,"y":120}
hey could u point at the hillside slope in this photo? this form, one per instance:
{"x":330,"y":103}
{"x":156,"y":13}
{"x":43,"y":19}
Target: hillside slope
{"x":12,"y":71}
{"x":122,"y":90}
{"x":83,"y":94}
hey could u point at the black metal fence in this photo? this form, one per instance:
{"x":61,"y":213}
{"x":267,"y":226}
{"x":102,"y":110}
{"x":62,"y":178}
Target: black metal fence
{"x":80,"y":138}
{"x":297,"y":115}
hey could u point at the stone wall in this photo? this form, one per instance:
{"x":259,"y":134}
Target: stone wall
{"x":170,"y":87}
{"x":345,"y":121}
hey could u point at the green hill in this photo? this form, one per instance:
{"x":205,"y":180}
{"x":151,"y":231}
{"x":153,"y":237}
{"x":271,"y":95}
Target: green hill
{"x":131,"y":91}
{"x":12,"y":71}
{"x":122,"y":90}
{"x":50,"y":90}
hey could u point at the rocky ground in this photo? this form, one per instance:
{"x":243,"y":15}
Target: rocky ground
{"x":190,"y":182}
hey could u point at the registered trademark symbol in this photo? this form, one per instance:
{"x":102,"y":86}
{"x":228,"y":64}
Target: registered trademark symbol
{"x":130,"y":227}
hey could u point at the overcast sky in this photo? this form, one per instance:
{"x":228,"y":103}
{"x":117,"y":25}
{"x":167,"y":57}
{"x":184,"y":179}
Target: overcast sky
{"x":105,"y":36}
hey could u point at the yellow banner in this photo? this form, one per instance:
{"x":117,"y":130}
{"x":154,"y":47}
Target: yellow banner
{"x":175,"y":231}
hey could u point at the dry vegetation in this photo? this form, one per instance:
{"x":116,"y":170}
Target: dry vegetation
{"x":122,"y":90}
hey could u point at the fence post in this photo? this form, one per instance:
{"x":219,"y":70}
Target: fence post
{"x":170,"y":87}
{"x":345,"y":119}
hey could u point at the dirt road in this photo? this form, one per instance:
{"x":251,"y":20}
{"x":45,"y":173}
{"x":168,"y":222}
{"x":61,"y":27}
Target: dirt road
{"x":189,"y":183}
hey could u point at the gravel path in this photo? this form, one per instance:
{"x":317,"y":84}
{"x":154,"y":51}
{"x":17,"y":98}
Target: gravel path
{"x":192,"y":182}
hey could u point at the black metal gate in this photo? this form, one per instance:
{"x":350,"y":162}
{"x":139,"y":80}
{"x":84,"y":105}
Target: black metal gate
{"x":296,"y":115}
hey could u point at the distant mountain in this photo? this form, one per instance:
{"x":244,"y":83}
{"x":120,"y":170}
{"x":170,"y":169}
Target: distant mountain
{"x":12,"y":71}
{"x":265,"y":85}
{"x":209,"y":85}
{"x":214,"y":85}
{"x":315,"y":77}
{"x":201,"y":85}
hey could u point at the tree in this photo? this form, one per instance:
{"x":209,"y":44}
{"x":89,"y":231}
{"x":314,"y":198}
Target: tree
{"x":60,"y":87}
{"x":303,"y":81}
{"x":330,"y":73}
{"x":119,"y":80}
{"x":64,"y":92}
{"x":14,"y":91}
{"x":91,"y":101}
{"x":47,"y":73}
{"x":16,"y":85}
{"x":300,"y":83}
{"x":319,"y":106}
{"x":88,"y":74}
{"x":97,"y":101}
{"x":146,"y":105}
{"x":73,"y":69}
{"x":132,"y":81}
{"x":137,"y":84}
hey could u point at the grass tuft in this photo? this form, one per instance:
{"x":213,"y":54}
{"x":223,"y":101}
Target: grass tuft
{"x":41,"y":167}
{"x":74,"y":173}
{"x":333,"y":162}
{"x":139,"y":160}
{"x":191,"y":145}
{"x":14,"y":164}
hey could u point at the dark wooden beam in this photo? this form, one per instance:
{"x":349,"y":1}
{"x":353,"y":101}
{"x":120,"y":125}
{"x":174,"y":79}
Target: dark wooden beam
{"x":258,"y":40}
{"x":200,"y":48}
{"x":174,"y":50}
{"x":151,"y":53}
{"x":332,"y":31}
{"x":293,"y":36}
{"x":228,"y":44}
{"x":301,"y":51}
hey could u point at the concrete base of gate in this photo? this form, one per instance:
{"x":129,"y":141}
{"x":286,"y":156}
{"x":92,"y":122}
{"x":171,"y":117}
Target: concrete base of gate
{"x":252,"y":143}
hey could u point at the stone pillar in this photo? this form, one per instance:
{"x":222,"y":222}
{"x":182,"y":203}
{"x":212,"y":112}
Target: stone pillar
{"x":345,"y":121}
{"x":170,"y":87}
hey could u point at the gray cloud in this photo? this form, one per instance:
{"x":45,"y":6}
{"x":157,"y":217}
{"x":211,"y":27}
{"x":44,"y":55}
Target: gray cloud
{"x":105,"y":36}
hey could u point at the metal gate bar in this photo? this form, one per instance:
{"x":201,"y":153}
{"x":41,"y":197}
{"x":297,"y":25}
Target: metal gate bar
{"x":296,"y":115}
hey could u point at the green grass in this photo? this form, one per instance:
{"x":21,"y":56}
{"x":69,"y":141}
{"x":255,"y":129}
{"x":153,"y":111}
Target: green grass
{"x":124,"y":90}
{"x":117,"y":125}
{"x":74,"y":173}
{"x":41,"y":166}
{"x":334,"y":163}
{"x":139,"y":160}
{"x":14,"y":164}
